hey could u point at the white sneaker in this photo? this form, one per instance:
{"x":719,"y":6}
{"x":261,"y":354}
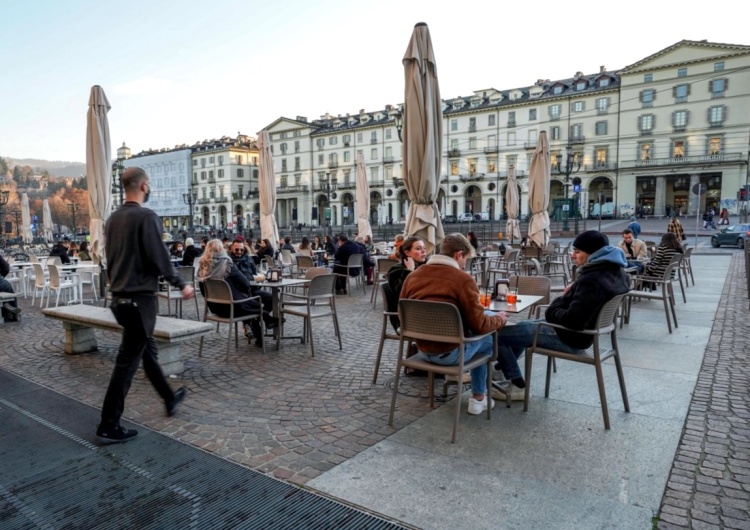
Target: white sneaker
{"x":516,"y":394}
{"x":477,"y":407}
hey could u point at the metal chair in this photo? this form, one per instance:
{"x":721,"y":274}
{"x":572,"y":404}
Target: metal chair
{"x":303,"y":264}
{"x":173,"y":293}
{"x":384,"y":335}
{"x":686,"y":266}
{"x":505,"y":265}
{"x":319,"y":301}
{"x":437,"y":322}
{"x":219,"y":292}
{"x":287,"y":263}
{"x":595,"y":355}
{"x":355,"y":262}
{"x":382,"y":267}
{"x":666,"y":295}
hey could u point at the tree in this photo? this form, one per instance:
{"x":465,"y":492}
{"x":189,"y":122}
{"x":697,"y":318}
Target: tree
{"x":3,"y":167}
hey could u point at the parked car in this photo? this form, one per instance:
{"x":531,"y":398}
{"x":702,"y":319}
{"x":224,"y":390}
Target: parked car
{"x":482,"y":217}
{"x":466,"y":218}
{"x":608,"y":211}
{"x":450,"y":218}
{"x":731,"y":235}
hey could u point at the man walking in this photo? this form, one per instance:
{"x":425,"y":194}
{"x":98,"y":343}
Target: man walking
{"x":136,"y":257}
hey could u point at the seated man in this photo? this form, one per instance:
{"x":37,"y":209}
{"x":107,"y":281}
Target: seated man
{"x":247,"y":267}
{"x":367,"y":262}
{"x":61,"y":252}
{"x":345,"y":250}
{"x":10,"y":310}
{"x":600,"y":278}
{"x":286,"y":244}
{"x":634,"y":249}
{"x":443,"y":279}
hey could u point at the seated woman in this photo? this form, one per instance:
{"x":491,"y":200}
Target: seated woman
{"x":329,"y":245}
{"x":266,"y":249}
{"x":73,"y":250}
{"x":668,"y":246}
{"x":317,"y":244}
{"x":369,"y":245}
{"x":397,"y":242}
{"x":83,"y":252}
{"x":472,"y":237}
{"x":304,"y":247}
{"x":215,"y":264}
{"x":411,"y":254}
{"x":10,"y":310}
{"x":176,"y":250}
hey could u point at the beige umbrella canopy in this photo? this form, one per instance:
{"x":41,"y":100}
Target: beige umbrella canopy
{"x":25,"y":219}
{"x":363,"y":199}
{"x":539,"y":182}
{"x":423,"y":133}
{"x":98,"y":167}
{"x":267,"y":189}
{"x":47,"y":220}
{"x":511,"y":206}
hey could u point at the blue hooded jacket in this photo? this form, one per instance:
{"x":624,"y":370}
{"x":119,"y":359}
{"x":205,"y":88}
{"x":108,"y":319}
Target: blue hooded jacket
{"x":599,"y":280}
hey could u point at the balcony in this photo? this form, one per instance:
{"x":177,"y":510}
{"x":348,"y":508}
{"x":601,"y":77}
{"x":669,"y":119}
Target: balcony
{"x":221,"y":199}
{"x":601,"y":166}
{"x":333,"y":165}
{"x":212,"y":180}
{"x":377,"y":183}
{"x":388,"y":159}
{"x":292,"y":189}
{"x":491,"y":149}
{"x":204,"y":200}
{"x":577,"y":139}
{"x":373,"y":140}
{"x":529,"y":145}
{"x":454,"y":153}
{"x":398,"y":182}
{"x":687,"y":160}
{"x":468,"y":177}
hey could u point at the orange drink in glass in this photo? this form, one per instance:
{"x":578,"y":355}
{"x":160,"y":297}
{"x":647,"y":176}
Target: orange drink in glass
{"x":512,"y":297}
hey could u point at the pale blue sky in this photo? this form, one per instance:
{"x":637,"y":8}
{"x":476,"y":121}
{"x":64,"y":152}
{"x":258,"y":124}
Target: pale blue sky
{"x":182,"y":71}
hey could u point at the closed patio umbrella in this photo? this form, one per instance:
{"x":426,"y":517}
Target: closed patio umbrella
{"x":47,"y":220}
{"x":539,"y":182}
{"x":25,"y":219}
{"x":267,"y":189}
{"x":98,"y":168}
{"x":511,"y":206}
{"x":363,"y":199}
{"x":423,"y":134}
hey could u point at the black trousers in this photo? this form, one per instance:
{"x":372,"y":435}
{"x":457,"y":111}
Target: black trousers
{"x":137,"y":316}
{"x":6,"y":287}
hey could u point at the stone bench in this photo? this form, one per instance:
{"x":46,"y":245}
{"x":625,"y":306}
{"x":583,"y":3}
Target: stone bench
{"x":80,"y":320}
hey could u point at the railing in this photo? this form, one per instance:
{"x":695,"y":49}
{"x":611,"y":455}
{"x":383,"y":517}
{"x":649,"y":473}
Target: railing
{"x":203,"y":201}
{"x":683,"y":160}
{"x":292,"y":189}
{"x":600,"y":166}
{"x":511,"y":123}
{"x":212,"y":180}
{"x":388,"y":159}
{"x":454,"y":153}
{"x":529,"y":145}
{"x":491,"y":149}
{"x":333,"y":165}
{"x":577,"y":139}
{"x":221,"y":199}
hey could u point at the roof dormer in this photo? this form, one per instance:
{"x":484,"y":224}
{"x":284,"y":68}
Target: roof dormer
{"x":536,"y":91}
{"x":515,"y":94}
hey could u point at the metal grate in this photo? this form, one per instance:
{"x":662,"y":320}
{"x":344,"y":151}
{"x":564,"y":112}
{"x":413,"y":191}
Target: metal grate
{"x":52,"y":476}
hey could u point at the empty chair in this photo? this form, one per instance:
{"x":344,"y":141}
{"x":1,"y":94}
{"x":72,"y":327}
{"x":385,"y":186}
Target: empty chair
{"x":595,"y":356}
{"x":71,"y":283}
{"x":384,"y":334}
{"x":437,"y":322}
{"x":382,"y":267}
{"x":173,"y":293}
{"x":686,"y":266}
{"x":665,"y":294}
{"x":319,"y":301}
{"x":304,"y":263}
{"x":41,"y":283}
{"x":287,"y":263}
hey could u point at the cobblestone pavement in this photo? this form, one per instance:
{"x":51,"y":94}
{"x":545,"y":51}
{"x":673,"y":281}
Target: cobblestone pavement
{"x":283,"y":413}
{"x":709,"y":485}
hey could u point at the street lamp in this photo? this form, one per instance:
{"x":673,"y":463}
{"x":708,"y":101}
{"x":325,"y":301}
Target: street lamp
{"x":328,"y":184}
{"x":189,"y":198}
{"x":17,"y":215}
{"x":398,"y":119}
{"x":117,"y":168}
{"x":572,"y":165}
{"x":73,"y":208}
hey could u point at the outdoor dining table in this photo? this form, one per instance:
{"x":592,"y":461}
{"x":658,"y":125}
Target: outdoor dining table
{"x":276,"y":288}
{"x":524,"y":302}
{"x":72,"y":269}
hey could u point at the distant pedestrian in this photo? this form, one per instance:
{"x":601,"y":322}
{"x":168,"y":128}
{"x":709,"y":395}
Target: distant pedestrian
{"x":634,"y":227}
{"x":668,"y":209}
{"x":724,"y":217}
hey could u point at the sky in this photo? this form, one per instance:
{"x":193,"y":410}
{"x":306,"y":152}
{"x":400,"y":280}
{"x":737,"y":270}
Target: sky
{"x":178,"y":72}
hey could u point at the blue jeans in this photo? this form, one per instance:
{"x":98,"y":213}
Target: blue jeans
{"x":636,"y":264}
{"x":512,"y":342}
{"x":471,"y":349}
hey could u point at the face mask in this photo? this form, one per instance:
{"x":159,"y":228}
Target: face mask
{"x":148,"y":193}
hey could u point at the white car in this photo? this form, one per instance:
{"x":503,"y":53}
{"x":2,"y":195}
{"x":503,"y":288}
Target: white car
{"x":466,"y":218}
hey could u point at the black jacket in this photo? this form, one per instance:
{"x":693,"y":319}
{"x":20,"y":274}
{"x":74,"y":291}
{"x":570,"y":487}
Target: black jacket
{"x":136,"y":255}
{"x":4,"y":267}
{"x":345,"y":250}
{"x":188,"y":258}
{"x":597,"y":283}
{"x":61,"y":252}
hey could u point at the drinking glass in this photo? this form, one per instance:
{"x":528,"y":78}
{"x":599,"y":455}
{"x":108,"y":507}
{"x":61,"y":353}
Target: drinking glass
{"x":485,"y":298}
{"x":512,"y":296}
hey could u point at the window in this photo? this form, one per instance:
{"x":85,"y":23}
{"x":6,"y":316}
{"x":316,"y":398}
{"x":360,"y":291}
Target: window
{"x":210,"y":175}
{"x":296,"y":163}
{"x":203,"y":162}
{"x":347,"y":139}
{"x":283,"y":164}
{"x":601,"y":157}
{"x":511,"y":138}
{"x":283,"y":135}
{"x":347,"y":156}
{"x":682,"y":72}
{"x":454,"y":144}
{"x":283,"y":181}
{"x":576,"y":131}
{"x":388,"y":172}
{"x":472,"y":124}
{"x":203,"y":175}
{"x":221,"y":191}
{"x":678,"y":148}
{"x":239,"y":192}
{"x":491,"y":165}
{"x":491,"y":120}
{"x":297,"y":178}
{"x":680,"y":93}
{"x":359,"y":138}
{"x":604,"y":81}
{"x":282,"y":148}
{"x":333,"y":160}
{"x":296,"y":146}
{"x":473,"y":142}
{"x":333,"y":140}
{"x":718,"y":67}
{"x":647,"y":97}
{"x":240,"y":173}
{"x":195,"y":162}
{"x":679,"y":119}
{"x":511,"y":161}
{"x":578,"y":106}
{"x":717,"y":87}
{"x":374,"y":137}
{"x":601,"y":128}
{"x":296,"y":133}
{"x":716,"y":115}
{"x":492,"y":141}
{"x":221,"y":160}
{"x":374,"y":173}
{"x":646,"y":123}
{"x":647,"y":78}
{"x":454,"y":167}
{"x":646,"y":151}
{"x":374,"y":154}
{"x":320,"y":142}
{"x":389,"y":152}
{"x":532,"y":114}
{"x":454,"y":124}
{"x":210,"y":160}
{"x":472,"y":166}
{"x":557,"y":90}
{"x":388,"y":133}
{"x":602,"y":104}
{"x":321,"y":160}
{"x":714,"y":146}
{"x":554,"y":112}
{"x":512,"y":118}
{"x":221,"y":173}
{"x":555,"y":133}
{"x":581,"y":85}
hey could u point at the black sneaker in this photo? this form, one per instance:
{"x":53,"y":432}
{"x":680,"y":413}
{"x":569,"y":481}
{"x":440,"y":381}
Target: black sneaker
{"x":179,"y":395}
{"x":114,"y":435}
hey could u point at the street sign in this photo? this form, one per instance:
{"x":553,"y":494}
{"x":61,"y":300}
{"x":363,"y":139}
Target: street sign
{"x":328,"y":214}
{"x":699,"y":189}
{"x":566,"y":207}
{"x":576,"y":188}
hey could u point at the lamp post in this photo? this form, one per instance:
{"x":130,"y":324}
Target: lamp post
{"x":398,"y":119}
{"x":17,"y":216}
{"x":73,"y":208}
{"x":571,"y":166}
{"x":117,"y":168}
{"x":328,"y":184}
{"x":189,"y":198}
